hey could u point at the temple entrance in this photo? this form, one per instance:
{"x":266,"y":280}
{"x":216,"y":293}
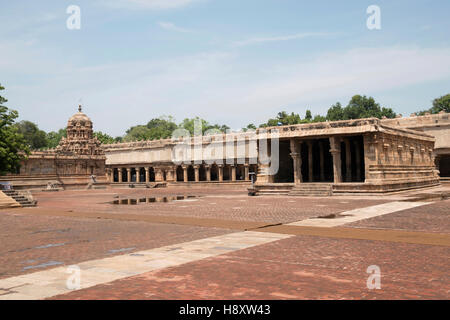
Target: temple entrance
{"x":444,"y":165}
{"x":352,"y":159}
{"x":286,"y":167}
{"x":214,"y":172}
{"x":179,"y":173}
{"x":191,"y":173}
{"x":317,"y":162}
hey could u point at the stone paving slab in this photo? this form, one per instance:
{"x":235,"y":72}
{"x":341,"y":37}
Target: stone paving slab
{"x":434,"y":217}
{"x":51,"y":282}
{"x":302,"y":267}
{"x":358,"y":214}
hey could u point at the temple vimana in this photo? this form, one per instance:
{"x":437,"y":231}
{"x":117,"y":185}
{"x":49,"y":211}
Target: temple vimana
{"x":351,"y":156}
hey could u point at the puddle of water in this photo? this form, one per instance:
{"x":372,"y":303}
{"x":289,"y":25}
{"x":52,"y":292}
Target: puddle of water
{"x":43,"y":265}
{"x":50,"y":245}
{"x":166,"y":199}
{"x":121,"y":250}
{"x":334,"y":216}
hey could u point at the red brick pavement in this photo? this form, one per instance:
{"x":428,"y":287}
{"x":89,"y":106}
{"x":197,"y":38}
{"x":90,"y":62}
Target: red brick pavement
{"x":302,"y":267}
{"x":434,"y":217}
{"x":227,"y":204}
{"x":29,"y":241}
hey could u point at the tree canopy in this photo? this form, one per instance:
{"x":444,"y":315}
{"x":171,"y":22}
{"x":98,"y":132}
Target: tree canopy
{"x":35,"y":138}
{"x":13,"y":146}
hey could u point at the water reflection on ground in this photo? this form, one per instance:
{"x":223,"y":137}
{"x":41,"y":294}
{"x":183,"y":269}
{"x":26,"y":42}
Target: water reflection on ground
{"x":135,"y":201}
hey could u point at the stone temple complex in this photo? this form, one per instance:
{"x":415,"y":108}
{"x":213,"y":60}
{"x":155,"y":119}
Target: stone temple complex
{"x":351,"y":156}
{"x":77,"y":157}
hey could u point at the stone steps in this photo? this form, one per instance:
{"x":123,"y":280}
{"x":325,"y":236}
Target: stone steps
{"x":7,"y":202}
{"x":312,"y":190}
{"x":20,"y":198}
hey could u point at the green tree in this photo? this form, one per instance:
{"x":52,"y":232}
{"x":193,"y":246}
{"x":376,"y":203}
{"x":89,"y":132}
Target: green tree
{"x":137,"y":133}
{"x":189,"y":125}
{"x":335,"y":112}
{"x":283,"y":119}
{"x":103,"y":137}
{"x":308,"y":115}
{"x":13,"y":146}
{"x":161,"y":128}
{"x":250,"y":126}
{"x":54,"y":137}
{"x":441,"y":104}
{"x":36,"y":139}
{"x":365,"y":107}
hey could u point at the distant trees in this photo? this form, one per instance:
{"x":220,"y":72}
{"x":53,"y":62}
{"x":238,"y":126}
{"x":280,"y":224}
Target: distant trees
{"x":358,"y":107}
{"x":35,"y":138}
{"x":439,"y":104}
{"x":13,"y":146}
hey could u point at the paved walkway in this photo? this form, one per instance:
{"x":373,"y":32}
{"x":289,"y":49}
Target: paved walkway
{"x":44,"y":284}
{"x":223,"y":246}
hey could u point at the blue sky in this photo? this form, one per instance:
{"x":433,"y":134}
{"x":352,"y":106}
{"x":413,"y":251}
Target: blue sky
{"x":228,"y":61}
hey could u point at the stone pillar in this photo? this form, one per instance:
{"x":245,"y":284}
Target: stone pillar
{"x":358,"y":161}
{"x":159,"y":175}
{"x":138,"y":175}
{"x":233,"y":173}
{"x":128,"y":175}
{"x":246,"y":172}
{"x":335,"y":151}
{"x":197,"y":173}
{"x":310,"y":162}
{"x":208,"y":173}
{"x":185,"y":174}
{"x":297,"y":160}
{"x":322,"y":161}
{"x":119,"y":175}
{"x":170,"y":176}
{"x":220,"y":169}
{"x":147,"y":174}
{"x":348,"y":160}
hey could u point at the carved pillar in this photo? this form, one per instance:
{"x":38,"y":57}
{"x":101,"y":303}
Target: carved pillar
{"x":119,"y":175}
{"x":138,"y":175}
{"x":159,"y":175}
{"x":170,"y":176}
{"x":220,"y":169}
{"x":208,"y":173}
{"x":246,"y":172}
{"x":335,"y":151}
{"x":322,"y":161}
{"x":197,"y":173}
{"x":348,"y":161}
{"x":310,"y":162}
{"x":297,"y":160}
{"x":147,"y":174}
{"x":128,"y":174}
{"x":185,"y":174}
{"x":233,"y":173}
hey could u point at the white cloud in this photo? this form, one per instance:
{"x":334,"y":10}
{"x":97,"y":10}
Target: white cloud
{"x":219,"y":86}
{"x":258,"y":40}
{"x":172,"y":27}
{"x":148,"y":4}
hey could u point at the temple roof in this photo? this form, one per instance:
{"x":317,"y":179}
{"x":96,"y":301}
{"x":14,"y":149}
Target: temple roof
{"x":79,"y":116}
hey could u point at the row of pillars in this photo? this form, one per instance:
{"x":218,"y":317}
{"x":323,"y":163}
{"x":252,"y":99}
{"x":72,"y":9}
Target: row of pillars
{"x":220,"y":172}
{"x":335,"y":150}
{"x":171,"y":174}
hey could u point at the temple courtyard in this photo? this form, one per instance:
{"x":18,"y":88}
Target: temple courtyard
{"x":190,"y":241}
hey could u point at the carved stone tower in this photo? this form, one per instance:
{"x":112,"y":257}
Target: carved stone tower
{"x":80,"y":137}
